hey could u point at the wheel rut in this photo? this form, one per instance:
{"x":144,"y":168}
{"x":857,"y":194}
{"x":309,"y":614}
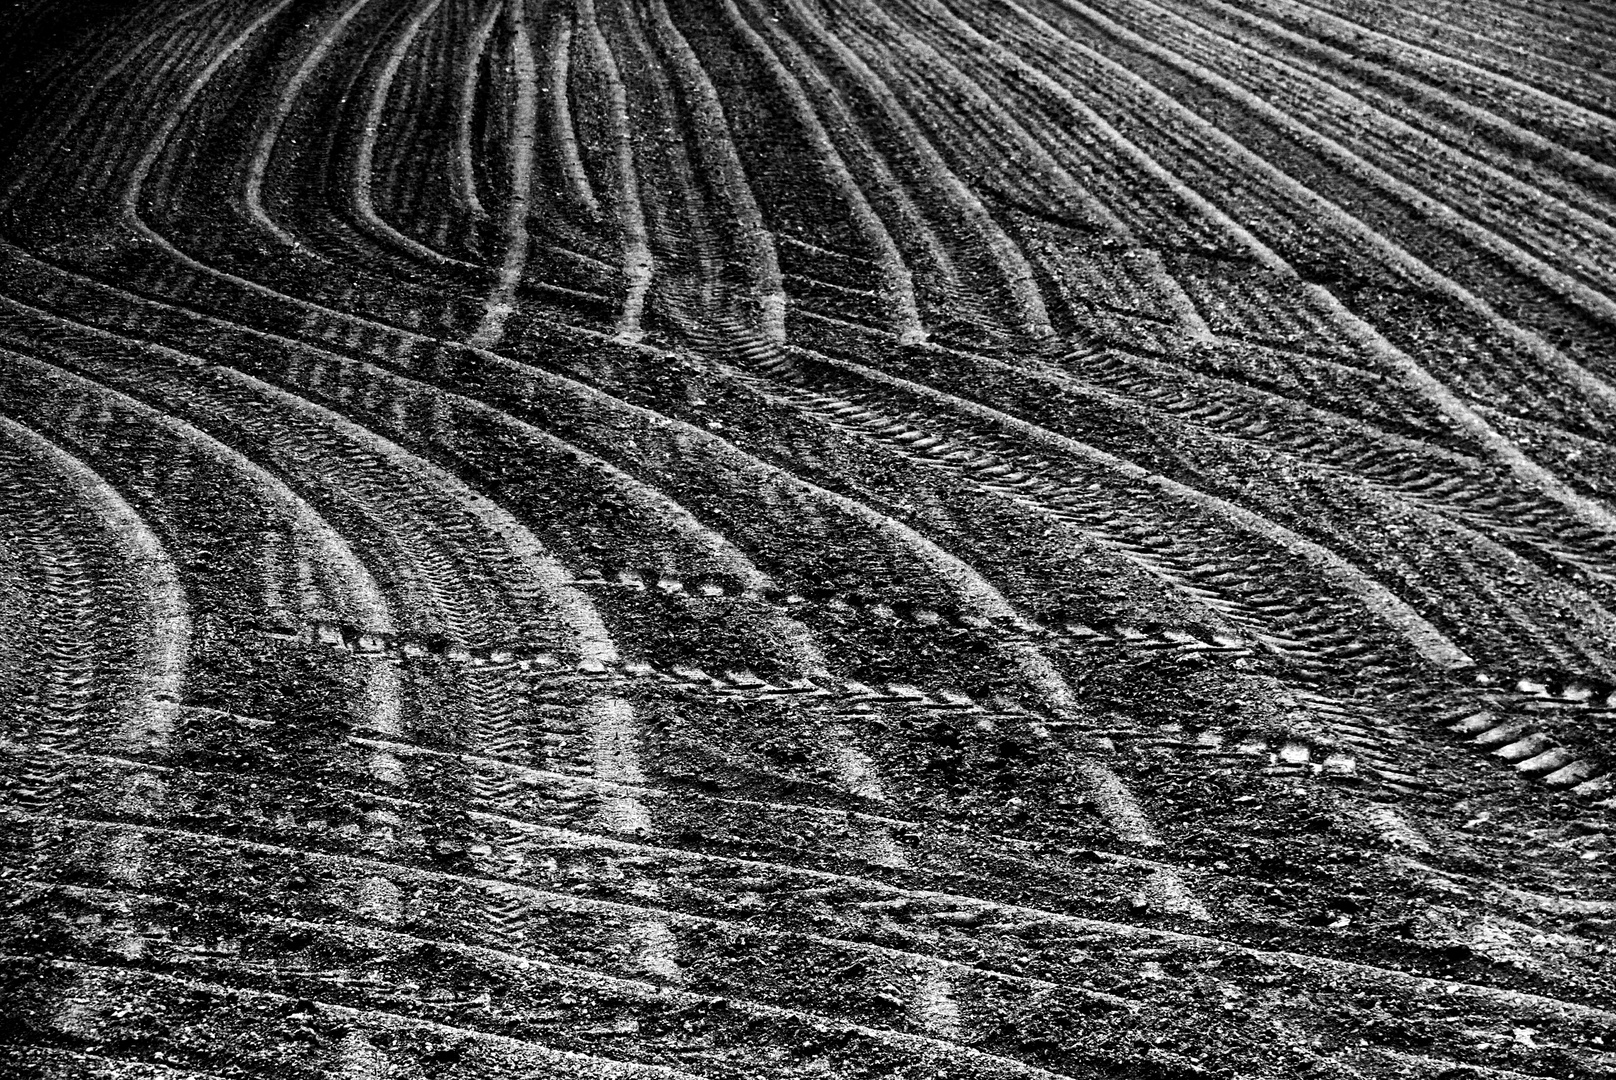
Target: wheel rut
{"x":958,"y":538}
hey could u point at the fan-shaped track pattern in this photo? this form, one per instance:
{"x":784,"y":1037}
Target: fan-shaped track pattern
{"x":971,"y":538}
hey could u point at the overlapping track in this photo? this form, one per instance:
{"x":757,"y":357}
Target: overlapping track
{"x":970,"y":538}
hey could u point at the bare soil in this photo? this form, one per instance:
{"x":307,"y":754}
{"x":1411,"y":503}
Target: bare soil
{"x":807,"y":538}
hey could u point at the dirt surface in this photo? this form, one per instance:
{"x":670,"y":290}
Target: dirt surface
{"x":807,"y":538}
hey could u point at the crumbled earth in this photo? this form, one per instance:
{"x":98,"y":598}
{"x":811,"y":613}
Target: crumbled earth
{"x":807,"y":538}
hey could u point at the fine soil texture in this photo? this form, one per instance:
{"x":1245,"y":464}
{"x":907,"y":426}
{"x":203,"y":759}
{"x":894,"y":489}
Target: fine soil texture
{"x":785,"y":539}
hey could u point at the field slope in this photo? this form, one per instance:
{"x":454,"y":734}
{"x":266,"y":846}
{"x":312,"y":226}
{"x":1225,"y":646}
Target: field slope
{"x":807,"y":538}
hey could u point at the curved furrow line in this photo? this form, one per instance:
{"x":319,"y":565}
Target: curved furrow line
{"x":541,"y":979}
{"x":420,"y":188}
{"x":1374,"y":597}
{"x":898,"y":281}
{"x":90,"y":95}
{"x":1434,"y":480}
{"x":98,"y":179}
{"x":286,"y":100}
{"x":1125,"y":190}
{"x":1463,"y":416}
{"x":175,"y":114}
{"x":1159,"y":212}
{"x":981,"y":598}
{"x":882,"y":933}
{"x":1009,"y":262}
{"x":1447,"y":116}
{"x":19,"y":609}
{"x":1128,"y":819}
{"x":369,"y":388}
{"x":1006,"y":140}
{"x":1441,"y":482}
{"x":161,"y":649}
{"x":495,"y":718}
{"x":398,"y":403}
{"x":530,"y":905}
{"x":775,"y":819}
{"x":638,"y":266}
{"x":1590,"y":26}
{"x":1553,"y":359}
{"x":395,"y":946}
{"x":493,"y":721}
{"x":1312,"y":642}
{"x":348,"y":586}
{"x":384,"y":243}
{"x":1592,"y":302}
{"x":1392,"y":483}
{"x":686,"y":230}
{"x":1132,"y":825}
{"x":360,"y":600}
{"x":464,"y":176}
{"x":1122,"y":812}
{"x":869,"y":893}
{"x":710,"y":541}
{"x":1315,"y":641}
{"x":1515,"y":75}
{"x":500,"y":303}
{"x":936,"y":15}
{"x":417,"y":112}
{"x":861,"y":415}
{"x":722,"y":169}
{"x":977,"y":596}
{"x":513,"y":1057}
{"x":88,"y":73}
{"x":1114,"y":802}
{"x":494,"y":830}
{"x":1566,"y":115}
{"x":1524,"y":155}
{"x":294,"y":345}
{"x":560,"y":90}
{"x":138,"y":699}
{"x":426,"y":566}
{"x":363,"y":177}
{"x":1528,"y":43}
{"x":323,"y":447}
{"x":874,"y":174}
{"x":934,"y":79}
{"x":330,"y":580}
{"x":56,"y":675}
{"x":393,"y":402}
{"x":1130,"y":279}
{"x":1559,"y":238}
{"x":341,"y":442}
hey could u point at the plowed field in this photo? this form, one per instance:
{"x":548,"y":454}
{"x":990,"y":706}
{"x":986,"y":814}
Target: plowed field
{"x":807,"y":538}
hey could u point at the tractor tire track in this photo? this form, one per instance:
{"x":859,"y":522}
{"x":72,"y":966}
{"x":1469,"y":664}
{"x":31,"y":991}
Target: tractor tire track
{"x":829,"y":544}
